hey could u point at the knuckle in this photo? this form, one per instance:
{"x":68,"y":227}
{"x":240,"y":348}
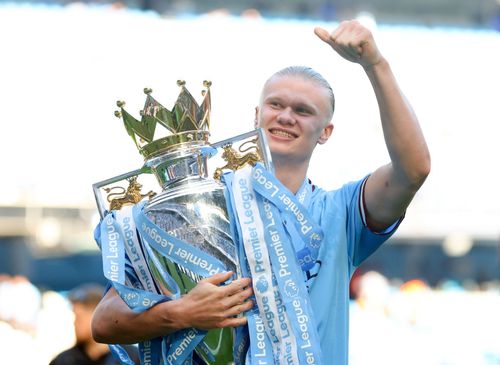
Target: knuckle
{"x":214,"y":306}
{"x":244,"y":295}
{"x":222,"y":306}
{"x":218,"y":317}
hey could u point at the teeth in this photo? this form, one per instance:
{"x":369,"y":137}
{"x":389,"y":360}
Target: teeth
{"x":282,"y":133}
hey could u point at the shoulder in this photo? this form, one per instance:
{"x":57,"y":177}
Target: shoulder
{"x":344,"y":194}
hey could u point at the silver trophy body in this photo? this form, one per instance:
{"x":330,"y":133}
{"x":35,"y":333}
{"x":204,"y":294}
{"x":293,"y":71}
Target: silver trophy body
{"x":192,"y":208}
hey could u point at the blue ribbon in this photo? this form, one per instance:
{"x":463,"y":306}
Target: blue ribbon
{"x":259,"y":346}
{"x":293,"y":291}
{"x":306,"y":234}
{"x":113,"y":250}
{"x":291,"y":247}
{"x":150,"y":351}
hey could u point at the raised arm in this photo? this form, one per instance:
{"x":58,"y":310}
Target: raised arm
{"x":390,"y":189}
{"x":208,"y":305}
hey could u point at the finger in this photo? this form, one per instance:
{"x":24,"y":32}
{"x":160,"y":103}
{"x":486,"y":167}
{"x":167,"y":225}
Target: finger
{"x":330,"y":38}
{"x":358,"y":43}
{"x":228,"y":303}
{"x":237,"y":285}
{"x":239,"y":308}
{"x":338,"y":31}
{"x":337,"y":38}
{"x":238,"y":298}
{"x":345,"y":42}
{"x":323,"y":34}
{"x":219,"y":278}
{"x":246,"y":306}
{"x":233,"y":322}
{"x":354,"y":50}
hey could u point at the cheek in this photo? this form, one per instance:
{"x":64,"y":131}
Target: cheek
{"x":313,"y":136}
{"x":265,"y":116}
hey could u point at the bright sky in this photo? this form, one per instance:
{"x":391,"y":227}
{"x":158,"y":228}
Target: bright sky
{"x":62,"y":70}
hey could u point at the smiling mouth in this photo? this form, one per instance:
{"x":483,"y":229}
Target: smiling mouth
{"x":282,"y":133}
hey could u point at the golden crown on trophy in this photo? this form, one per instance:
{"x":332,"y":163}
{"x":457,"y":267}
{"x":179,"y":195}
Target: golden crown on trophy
{"x":187,"y":122}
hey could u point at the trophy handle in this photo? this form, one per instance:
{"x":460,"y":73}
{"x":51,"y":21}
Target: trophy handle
{"x":235,"y":160}
{"x":131,"y":195}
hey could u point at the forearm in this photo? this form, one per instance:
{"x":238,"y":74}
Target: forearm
{"x":390,"y":188}
{"x":208,"y":305}
{"x":115,"y":322}
{"x":404,"y":138}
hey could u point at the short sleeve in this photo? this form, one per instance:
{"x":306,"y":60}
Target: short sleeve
{"x":362,"y":241}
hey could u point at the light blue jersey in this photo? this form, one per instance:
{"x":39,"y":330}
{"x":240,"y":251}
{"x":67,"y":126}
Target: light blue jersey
{"x":347,"y":242}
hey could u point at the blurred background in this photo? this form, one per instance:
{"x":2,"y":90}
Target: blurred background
{"x":428,"y":296}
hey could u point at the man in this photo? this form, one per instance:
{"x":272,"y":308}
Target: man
{"x":86,"y":351}
{"x":295,"y":112}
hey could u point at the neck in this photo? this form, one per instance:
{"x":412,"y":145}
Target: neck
{"x":290,"y":174}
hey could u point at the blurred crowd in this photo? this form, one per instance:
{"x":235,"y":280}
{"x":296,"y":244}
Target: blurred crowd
{"x":34,"y":326}
{"x":482,"y":14}
{"x":50,"y":328}
{"x":392,"y":322}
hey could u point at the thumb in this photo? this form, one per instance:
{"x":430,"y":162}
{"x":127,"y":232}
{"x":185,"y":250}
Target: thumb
{"x":323,"y":34}
{"x":219,"y":278}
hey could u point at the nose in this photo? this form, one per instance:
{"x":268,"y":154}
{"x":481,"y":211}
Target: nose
{"x":286,"y":116}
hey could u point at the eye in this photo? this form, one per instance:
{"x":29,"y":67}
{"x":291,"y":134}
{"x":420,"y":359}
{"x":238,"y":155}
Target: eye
{"x":302,"y":110}
{"x":274,"y":104}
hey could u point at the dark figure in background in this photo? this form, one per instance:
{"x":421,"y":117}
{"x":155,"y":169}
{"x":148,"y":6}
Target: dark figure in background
{"x":86,"y":351}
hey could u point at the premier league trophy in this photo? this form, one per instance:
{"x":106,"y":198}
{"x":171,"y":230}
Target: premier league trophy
{"x":157,"y":245}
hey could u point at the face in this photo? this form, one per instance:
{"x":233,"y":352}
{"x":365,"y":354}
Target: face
{"x":295,"y":114}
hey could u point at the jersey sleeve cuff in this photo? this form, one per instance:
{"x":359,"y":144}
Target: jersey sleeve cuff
{"x":387,"y":231}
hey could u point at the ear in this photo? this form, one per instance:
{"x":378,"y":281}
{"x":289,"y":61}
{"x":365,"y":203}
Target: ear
{"x":325,"y":133}
{"x":256,"y":120}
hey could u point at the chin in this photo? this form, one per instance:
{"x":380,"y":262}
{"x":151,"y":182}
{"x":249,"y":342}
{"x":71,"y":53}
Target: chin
{"x":279,"y":151}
